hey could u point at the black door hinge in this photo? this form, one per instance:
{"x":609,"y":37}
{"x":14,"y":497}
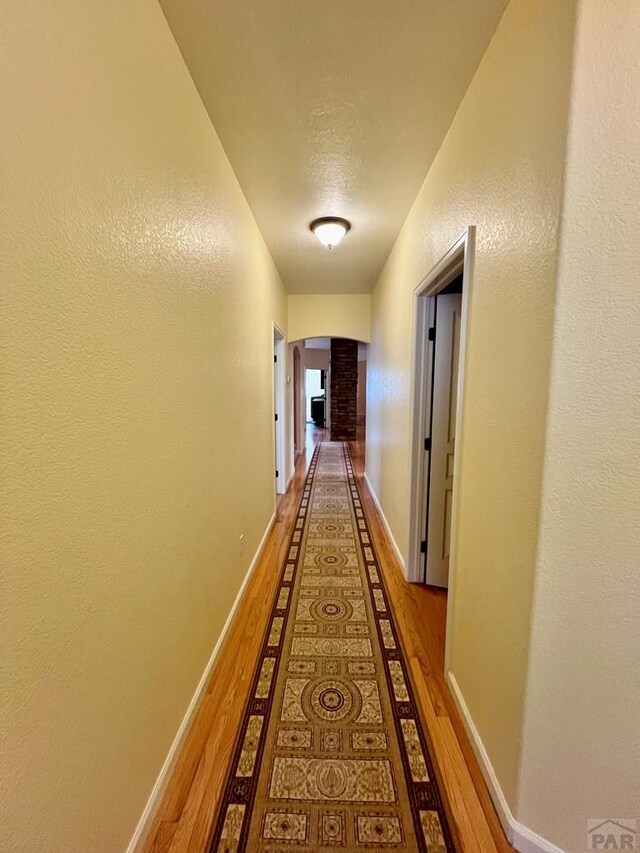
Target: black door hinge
{"x":276,"y":416}
{"x":423,"y":546}
{"x":275,"y":359}
{"x":432,"y":333}
{"x":427,"y":443}
{"x":277,"y":473}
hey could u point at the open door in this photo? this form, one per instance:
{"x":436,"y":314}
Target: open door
{"x":279,"y":357}
{"x":442,"y":438}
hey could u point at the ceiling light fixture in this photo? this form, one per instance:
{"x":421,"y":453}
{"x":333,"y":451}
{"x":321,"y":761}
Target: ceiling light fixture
{"x":330,"y":230}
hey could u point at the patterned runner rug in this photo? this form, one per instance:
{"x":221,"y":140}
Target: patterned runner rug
{"x":331,"y":754}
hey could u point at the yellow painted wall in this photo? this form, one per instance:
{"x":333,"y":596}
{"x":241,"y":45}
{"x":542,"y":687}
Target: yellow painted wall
{"x":581,"y":745}
{"x":500,"y":168}
{"x":344,"y":315}
{"x":137,"y":302}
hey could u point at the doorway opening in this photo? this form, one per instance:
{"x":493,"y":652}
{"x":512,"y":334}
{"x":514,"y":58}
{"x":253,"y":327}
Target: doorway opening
{"x":444,"y":313}
{"x":316,"y":412}
{"x":316,"y":397}
{"x":333,"y":391}
{"x":316,"y":356}
{"x":279,"y":361}
{"x":441,"y":311}
{"x":297,"y":395}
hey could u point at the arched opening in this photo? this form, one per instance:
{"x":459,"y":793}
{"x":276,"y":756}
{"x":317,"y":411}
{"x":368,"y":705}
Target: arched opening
{"x":330,"y":390}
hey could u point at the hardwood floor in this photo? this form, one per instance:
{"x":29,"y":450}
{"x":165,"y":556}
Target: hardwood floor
{"x":185,"y":818}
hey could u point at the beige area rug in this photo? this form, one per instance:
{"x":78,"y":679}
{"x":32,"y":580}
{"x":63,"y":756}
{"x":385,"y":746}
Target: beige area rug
{"x":331,"y":754}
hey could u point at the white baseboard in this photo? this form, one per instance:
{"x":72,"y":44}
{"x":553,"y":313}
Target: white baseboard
{"x":527,"y":841}
{"x":144,"y":824}
{"x":394,"y":544}
{"x":524,"y":840}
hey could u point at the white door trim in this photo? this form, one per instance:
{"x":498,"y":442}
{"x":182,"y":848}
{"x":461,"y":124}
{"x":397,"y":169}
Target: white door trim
{"x":459,"y":257}
{"x":279,"y":408}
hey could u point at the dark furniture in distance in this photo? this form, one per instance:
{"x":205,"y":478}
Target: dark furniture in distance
{"x":317,"y":411}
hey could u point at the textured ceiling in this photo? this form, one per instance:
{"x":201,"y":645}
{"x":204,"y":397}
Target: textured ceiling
{"x":331,"y":107}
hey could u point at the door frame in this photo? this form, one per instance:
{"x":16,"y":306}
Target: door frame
{"x":459,"y":257}
{"x":296,"y":358}
{"x":279,"y":408}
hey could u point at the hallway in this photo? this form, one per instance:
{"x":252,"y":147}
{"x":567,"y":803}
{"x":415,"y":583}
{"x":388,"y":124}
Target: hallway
{"x":185,"y":822}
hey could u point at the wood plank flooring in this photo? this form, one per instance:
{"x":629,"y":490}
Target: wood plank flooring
{"x":185,"y":818}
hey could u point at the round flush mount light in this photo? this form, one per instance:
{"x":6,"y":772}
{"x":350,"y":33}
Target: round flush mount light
{"x":330,"y":230}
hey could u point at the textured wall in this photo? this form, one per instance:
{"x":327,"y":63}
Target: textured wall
{"x":326,"y":315}
{"x":501,"y":168}
{"x":582,"y":733}
{"x":344,"y":389}
{"x":137,"y":302}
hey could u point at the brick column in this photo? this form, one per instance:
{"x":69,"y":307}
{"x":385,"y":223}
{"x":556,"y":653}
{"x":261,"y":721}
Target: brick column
{"x":344,"y":389}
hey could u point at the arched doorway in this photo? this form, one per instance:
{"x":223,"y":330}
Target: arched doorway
{"x":332,"y":372}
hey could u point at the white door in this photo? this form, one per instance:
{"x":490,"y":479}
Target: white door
{"x":276,"y":382}
{"x":443,"y":436}
{"x":279,"y":356}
